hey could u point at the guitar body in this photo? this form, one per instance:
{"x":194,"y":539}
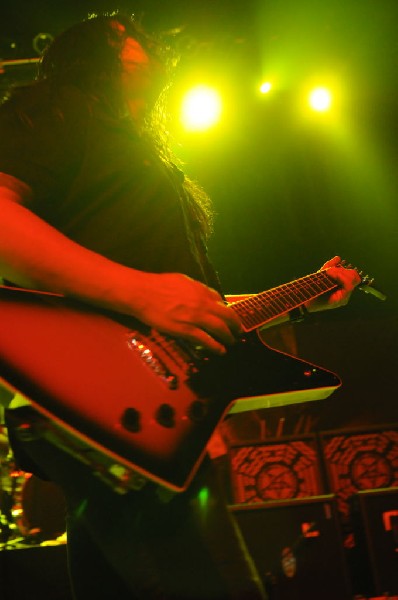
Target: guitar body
{"x":129,"y":399}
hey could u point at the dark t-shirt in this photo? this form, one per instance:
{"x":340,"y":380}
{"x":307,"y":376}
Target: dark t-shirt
{"x":98,"y":182}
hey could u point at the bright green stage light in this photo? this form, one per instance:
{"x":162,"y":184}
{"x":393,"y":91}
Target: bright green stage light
{"x":203,"y":497}
{"x":201,"y":108}
{"x":320,"y":99}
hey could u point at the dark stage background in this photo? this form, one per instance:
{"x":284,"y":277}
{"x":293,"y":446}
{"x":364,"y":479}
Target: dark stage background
{"x":290,"y":189}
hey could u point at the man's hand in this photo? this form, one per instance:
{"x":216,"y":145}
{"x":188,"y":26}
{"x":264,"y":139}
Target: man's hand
{"x":347,"y":279}
{"x":180,"y":306}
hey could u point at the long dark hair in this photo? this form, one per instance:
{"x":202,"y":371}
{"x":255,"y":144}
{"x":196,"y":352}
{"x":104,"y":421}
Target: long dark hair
{"x":87,"y":55}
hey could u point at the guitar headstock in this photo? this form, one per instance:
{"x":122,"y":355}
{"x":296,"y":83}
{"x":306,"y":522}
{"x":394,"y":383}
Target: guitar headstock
{"x":367,"y":282}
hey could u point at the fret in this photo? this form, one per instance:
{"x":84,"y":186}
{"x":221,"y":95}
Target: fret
{"x":260,"y":308}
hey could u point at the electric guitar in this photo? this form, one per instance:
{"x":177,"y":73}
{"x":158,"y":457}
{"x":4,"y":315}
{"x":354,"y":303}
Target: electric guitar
{"x":135,"y":404}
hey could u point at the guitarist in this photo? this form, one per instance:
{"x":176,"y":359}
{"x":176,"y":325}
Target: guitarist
{"x":94,"y":207}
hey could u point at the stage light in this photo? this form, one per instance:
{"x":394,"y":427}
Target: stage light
{"x":320,"y":99}
{"x":265,"y":87}
{"x":201,"y":108}
{"x":203,"y":497}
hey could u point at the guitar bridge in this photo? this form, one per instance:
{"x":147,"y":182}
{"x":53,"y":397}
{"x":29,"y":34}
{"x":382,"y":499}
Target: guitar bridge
{"x":138,"y":344}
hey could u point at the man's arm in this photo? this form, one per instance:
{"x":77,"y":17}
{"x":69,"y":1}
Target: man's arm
{"x":34,"y":254}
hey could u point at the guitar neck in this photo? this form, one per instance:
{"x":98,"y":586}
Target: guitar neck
{"x":258,"y":309}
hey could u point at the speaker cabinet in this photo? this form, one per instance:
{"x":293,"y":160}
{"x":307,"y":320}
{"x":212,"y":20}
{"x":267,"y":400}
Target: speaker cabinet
{"x":360,"y":460}
{"x":297,"y":548}
{"x":375,"y":520}
{"x":276,"y":470}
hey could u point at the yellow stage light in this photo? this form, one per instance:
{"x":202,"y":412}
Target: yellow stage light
{"x":265,"y":87}
{"x":201,"y":108}
{"x":320,"y":99}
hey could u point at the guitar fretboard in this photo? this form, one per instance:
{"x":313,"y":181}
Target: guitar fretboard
{"x":260,"y":308}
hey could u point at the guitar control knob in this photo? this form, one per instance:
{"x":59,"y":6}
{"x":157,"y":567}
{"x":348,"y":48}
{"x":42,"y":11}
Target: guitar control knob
{"x":197,"y":411}
{"x":165,"y":415}
{"x":131,"y":420}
